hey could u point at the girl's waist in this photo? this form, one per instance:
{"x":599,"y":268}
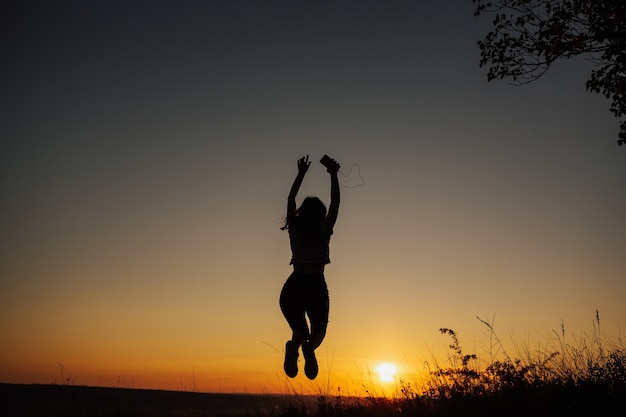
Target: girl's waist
{"x":308,"y":268}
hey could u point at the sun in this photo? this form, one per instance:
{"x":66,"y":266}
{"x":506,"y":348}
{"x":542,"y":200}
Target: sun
{"x":386,"y":372}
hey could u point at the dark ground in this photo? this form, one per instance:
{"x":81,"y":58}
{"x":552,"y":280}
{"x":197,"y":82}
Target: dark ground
{"x":67,"y":400}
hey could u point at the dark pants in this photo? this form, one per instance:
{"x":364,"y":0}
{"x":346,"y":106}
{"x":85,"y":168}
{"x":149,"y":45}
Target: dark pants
{"x":306,"y":295}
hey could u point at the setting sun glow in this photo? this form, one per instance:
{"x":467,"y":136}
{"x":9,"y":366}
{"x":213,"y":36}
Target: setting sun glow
{"x":386,"y":372}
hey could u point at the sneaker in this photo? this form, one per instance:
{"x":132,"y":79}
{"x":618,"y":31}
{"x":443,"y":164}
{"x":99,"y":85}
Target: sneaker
{"x":291,"y":359}
{"x":310,"y":364}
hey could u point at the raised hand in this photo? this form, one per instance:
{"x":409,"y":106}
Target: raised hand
{"x":303,"y":164}
{"x":332,"y":166}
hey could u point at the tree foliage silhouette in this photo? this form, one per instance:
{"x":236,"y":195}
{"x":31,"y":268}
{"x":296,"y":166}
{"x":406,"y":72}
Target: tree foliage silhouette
{"x":529,"y":35}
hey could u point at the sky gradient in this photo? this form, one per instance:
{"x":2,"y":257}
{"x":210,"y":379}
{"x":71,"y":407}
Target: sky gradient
{"x":146,"y":153}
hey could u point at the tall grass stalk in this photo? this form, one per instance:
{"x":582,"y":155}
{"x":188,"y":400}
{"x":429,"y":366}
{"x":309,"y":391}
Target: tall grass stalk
{"x":579,"y":377}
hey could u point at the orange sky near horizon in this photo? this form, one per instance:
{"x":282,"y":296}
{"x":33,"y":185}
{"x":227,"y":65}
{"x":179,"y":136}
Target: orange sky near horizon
{"x":148,"y":149}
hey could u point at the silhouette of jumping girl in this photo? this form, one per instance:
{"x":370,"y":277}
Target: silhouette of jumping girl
{"x":305,"y":292}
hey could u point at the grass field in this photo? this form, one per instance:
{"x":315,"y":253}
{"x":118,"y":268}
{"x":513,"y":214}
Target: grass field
{"x":585,"y":378}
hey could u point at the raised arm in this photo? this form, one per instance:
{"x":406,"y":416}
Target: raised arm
{"x":303,"y":166}
{"x":333,"y":210}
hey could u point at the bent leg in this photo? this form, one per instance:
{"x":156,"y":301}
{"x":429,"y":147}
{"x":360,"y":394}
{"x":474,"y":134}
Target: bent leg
{"x":318,"y":330}
{"x":318,"y":315}
{"x":299,"y":327}
{"x":294,"y":311}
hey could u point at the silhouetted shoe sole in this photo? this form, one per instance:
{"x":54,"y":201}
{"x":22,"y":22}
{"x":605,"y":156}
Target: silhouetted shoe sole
{"x":310,"y":365}
{"x":291,"y":359}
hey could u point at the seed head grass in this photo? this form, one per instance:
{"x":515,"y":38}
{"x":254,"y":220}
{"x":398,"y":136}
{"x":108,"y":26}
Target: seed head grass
{"x":579,"y":377}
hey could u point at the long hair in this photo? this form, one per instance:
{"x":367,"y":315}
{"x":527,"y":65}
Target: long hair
{"x":310,"y":213}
